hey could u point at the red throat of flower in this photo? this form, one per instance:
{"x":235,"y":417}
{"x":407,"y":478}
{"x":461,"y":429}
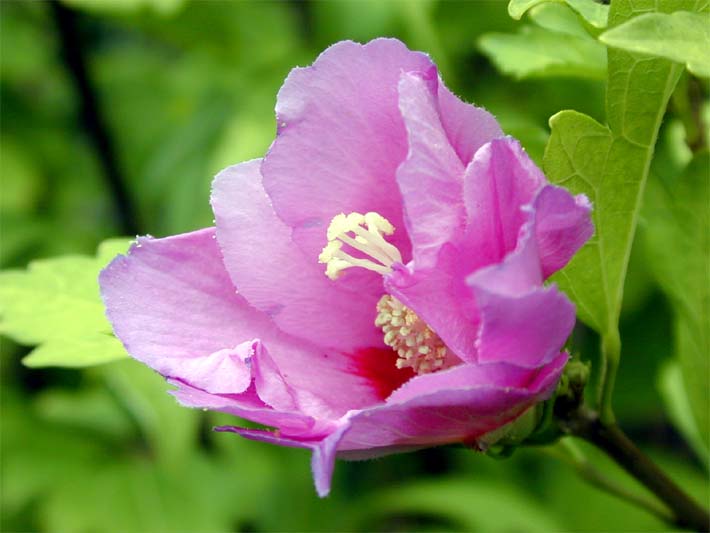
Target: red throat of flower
{"x":379,"y":367}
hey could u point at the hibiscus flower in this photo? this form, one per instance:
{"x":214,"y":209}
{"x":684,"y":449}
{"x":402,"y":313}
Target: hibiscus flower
{"x":375,"y":283}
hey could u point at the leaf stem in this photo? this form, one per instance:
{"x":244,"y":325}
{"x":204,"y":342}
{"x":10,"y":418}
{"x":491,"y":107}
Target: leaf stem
{"x":611,"y":354}
{"x":588,"y":425}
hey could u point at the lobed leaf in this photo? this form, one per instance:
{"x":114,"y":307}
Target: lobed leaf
{"x":56,"y":303}
{"x":610,"y":164}
{"x":682,"y":37}
{"x":592,"y":12}
{"x":537,"y":52}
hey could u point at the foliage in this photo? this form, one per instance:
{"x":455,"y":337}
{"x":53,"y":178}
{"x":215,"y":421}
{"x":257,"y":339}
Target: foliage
{"x":187,"y":88}
{"x":681,"y":36}
{"x":557,"y":45}
{"x":678,"y":245}
{"x":594,"y":13}
{"x":55,"y":304}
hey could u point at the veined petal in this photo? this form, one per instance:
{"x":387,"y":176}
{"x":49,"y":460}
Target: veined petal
{"x":324,"y":450}
{"x":441,"y":298}
{"x":457,"y":405}
{"x":461,"y":404}
{"x":527,"y":330}
{"x":430,"y":179}
{"x":171,"y":301}
{"x":468,"y":127}
{"x":563,"y":226}
{"x":340,"y":140}
{"x":274,"y":276}
{"x":246,"y":405}
{"x":521,"y":322}
{"x":499,"y":182}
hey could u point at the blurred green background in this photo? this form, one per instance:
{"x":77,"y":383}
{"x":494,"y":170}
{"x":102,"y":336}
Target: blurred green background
{"x":187,"y":88}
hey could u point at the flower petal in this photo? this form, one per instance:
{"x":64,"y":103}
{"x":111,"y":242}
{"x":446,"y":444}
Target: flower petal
{"x":430,"y":179}
{"x":340,"y":139}
{"x":272,"y":273}
{"x":171,"y":301}
{"x":468,"y":127}
{"x":247,"y":405}
{"x":222,"y":372}
{"x":456,"y":405}
{"x":324,"y":450}
{"x":563,"y":225}
{"x":500,"y":180}
{"x":526,"y":330}
{"x":452,"y":313}
{"x":519,"y":271}
{"x":522,"y":322}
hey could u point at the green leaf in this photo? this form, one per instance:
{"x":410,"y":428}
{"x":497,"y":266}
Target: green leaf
{"x":677,"y":239}
{"x":610,"y":165}
{"x":87,"y":350}
{"x":593,"y":12}
{"x":682,"y":37}
{"x":558,"y":18}
{"x":55,"y":303}
{"x":575,"y":157}
{"x":536,"y":52}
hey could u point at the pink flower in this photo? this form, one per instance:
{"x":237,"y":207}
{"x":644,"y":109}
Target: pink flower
{"x":436,"y":233}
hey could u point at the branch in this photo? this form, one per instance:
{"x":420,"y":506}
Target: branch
{"x":567,"y":451}
{"x":586,"y":424}
{"x":91,"y":117}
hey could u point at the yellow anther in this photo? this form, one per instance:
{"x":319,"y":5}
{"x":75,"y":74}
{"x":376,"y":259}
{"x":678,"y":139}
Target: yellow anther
{"x":414,"y":341}
{"x":363,"y":233}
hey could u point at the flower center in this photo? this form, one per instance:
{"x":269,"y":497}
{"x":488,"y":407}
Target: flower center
{"x":414,"y":341}
{"x":363,"y":233}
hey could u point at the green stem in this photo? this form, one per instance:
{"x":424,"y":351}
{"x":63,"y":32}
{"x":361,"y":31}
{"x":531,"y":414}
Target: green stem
{"x":575,"y":457}
{"x":611,"y":353}
{"x":588,"y":425}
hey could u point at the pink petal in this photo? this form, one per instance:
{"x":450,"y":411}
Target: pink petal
{"x":324,"y":450}
{"x":521,"y":322}
{"x":500,"y":374}
{"x":272,"y":273}
{"x":340,"y":139}
{"x":270,"y":385}
{"x":171,"y":301}
{"x":468,"y":127}
{"x":430,"y":179}
{"x":563,"y":225}
{"x":526,"y":330}
{"x":247,"y":405}
{"x":441,"y":298}
{"x":520,"y":269}
{"x":500,"y":180}
{"x":455,"y":405}
{"x":221,"y":372}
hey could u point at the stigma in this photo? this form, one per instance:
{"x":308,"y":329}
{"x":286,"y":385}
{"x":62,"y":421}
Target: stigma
{"x":418,"y":347}
{"x":364,"y":234}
